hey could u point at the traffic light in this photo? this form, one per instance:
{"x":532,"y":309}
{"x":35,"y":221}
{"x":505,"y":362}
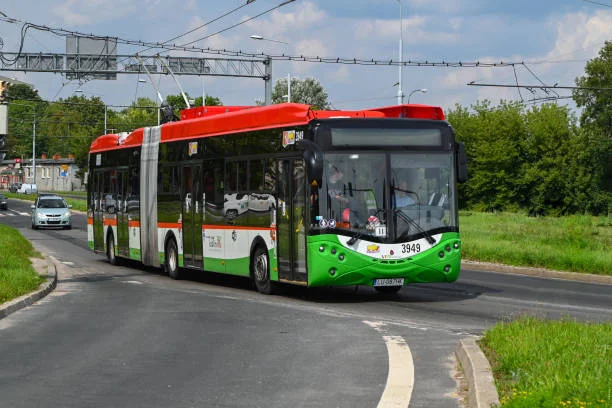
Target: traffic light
{"x":4,"y":86}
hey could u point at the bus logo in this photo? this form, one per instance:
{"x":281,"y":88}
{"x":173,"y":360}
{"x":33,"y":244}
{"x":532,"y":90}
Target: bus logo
{"x":373,"y":249}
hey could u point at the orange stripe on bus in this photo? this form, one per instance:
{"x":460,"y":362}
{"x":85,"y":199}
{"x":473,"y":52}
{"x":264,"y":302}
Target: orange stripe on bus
{"x":134,"y":224}
{"x":110,"y":222}
{"x":89,"y":220}
{"x":169,"y":225}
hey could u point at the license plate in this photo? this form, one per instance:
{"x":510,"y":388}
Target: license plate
{"x":389,"y":282}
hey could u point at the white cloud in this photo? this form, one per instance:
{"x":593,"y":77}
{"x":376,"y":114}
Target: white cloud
{"x":78,"y":13}
{"x":580,"y":35}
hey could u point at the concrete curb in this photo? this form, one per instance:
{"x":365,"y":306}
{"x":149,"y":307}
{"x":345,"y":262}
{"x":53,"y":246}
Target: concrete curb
{"x":42,"y":266}
{"x":536,"y":272}
{"x":482,"y":392}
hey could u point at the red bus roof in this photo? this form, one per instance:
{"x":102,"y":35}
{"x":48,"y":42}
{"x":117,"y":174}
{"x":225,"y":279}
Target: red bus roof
{"x":216,"y":120}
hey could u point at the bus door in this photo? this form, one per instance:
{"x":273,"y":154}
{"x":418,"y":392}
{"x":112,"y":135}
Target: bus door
{"x":192,"y":215}
{"x":123,"y":232}
{"x":98,"y":213}
{"x":291,"y":202}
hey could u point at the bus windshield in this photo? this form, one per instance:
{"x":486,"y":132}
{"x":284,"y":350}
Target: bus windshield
{"x":385,"y":197}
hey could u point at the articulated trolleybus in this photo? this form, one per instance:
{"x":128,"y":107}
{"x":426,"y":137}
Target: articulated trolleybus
{"x":284,"y":193}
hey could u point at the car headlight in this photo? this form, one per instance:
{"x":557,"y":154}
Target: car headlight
{"x":67,"y":214}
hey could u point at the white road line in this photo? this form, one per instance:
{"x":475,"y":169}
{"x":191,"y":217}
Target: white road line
{"x":400,"y":379}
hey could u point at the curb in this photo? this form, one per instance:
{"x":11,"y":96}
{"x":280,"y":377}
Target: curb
{"x":482,"y":392}
{"x":535,"y":272}
{"x":26,"y":300}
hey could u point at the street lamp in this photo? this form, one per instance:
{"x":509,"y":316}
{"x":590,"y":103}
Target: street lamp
{"x":105,"y":108}
{"x":423,"y":90}
{"x":261,"y":38}
{"x":269,"y":71}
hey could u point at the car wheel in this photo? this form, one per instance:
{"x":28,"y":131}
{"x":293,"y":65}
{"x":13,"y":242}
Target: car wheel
{"x":260,"y":269}
{"x":34,"y":226}
{"x":171,"y":260}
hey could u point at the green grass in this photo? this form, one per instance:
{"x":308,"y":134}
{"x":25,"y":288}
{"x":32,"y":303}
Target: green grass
{"x":539,"y":363}
{"x":17,"y":276}
{"x":572,"y":243}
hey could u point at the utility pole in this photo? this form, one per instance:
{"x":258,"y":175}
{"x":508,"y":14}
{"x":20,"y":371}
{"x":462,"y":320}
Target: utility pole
{"x":400,"y":92}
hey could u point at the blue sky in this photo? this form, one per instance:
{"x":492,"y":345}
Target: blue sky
{"x":554,"y":37}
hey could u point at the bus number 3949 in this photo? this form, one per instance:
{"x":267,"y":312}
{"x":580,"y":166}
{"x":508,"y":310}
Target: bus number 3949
{"x":408,"y":248}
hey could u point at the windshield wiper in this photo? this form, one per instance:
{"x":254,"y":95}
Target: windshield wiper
{"x":415,"y":224}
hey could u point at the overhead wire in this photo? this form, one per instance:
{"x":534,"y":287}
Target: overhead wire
{"x":202,"y":25}
{"x":277,"y":57}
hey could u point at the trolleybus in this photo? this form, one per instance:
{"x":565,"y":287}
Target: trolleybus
{"x":284,"y":194}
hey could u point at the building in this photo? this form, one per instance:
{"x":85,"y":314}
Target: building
{"x":52,"y":174}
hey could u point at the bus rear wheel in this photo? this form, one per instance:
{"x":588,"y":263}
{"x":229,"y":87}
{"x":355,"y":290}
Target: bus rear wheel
{"x":260,"y":268}
{"x":110,"y":250}
{"x":171,"y":260}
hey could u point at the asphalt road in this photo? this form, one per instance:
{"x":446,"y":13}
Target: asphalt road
{"x":129,"y":336}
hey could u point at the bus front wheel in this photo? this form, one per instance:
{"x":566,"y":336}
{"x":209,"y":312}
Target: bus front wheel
{"x":260,"y":268}
{"x":171,"y":261}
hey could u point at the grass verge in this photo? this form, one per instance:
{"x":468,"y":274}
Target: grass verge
{"x":17,"y":276}
{"x":539,"y":363}
{"x":572,"y":243}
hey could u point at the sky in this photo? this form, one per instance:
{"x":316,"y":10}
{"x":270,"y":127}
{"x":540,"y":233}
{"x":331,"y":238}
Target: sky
{"x":554,"y":39}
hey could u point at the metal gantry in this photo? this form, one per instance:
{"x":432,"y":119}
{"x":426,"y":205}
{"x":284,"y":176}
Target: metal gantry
{"x":106,"y":67}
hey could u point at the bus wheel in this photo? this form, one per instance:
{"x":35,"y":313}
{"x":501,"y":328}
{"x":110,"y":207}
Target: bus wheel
{"x":260,"y":268}
{"x":110,"y":250}
{"x":171,"y":261}
{"x":387,"y":290}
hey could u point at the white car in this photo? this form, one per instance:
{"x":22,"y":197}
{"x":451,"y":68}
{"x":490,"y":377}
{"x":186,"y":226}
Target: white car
{"x":261,"y":202}
{"x":28,"y":189}
{"x":51,"y":211}
{"x":235,"y":204}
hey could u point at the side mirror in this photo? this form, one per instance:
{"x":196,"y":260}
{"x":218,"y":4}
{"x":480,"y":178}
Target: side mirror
{"x":461,"y":162}
{"x":313,"y":158}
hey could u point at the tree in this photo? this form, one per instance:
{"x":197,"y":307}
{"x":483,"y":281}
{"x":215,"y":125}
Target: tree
{"x":595,"y":97}
{"x":308,"y":91}
{"x":178,"y":102}
{"x":521,"y":159}
{"x":70,"y":126}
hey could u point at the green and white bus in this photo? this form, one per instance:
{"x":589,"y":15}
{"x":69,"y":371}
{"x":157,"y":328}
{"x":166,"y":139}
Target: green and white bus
{"x":284,"y":194}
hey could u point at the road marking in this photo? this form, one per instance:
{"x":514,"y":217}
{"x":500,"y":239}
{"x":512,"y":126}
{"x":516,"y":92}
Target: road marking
{"x":400,"y":380}
{"x":15,"y":212}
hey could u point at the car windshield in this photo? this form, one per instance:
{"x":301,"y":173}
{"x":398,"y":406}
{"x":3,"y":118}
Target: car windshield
{"x":52,"y":203}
